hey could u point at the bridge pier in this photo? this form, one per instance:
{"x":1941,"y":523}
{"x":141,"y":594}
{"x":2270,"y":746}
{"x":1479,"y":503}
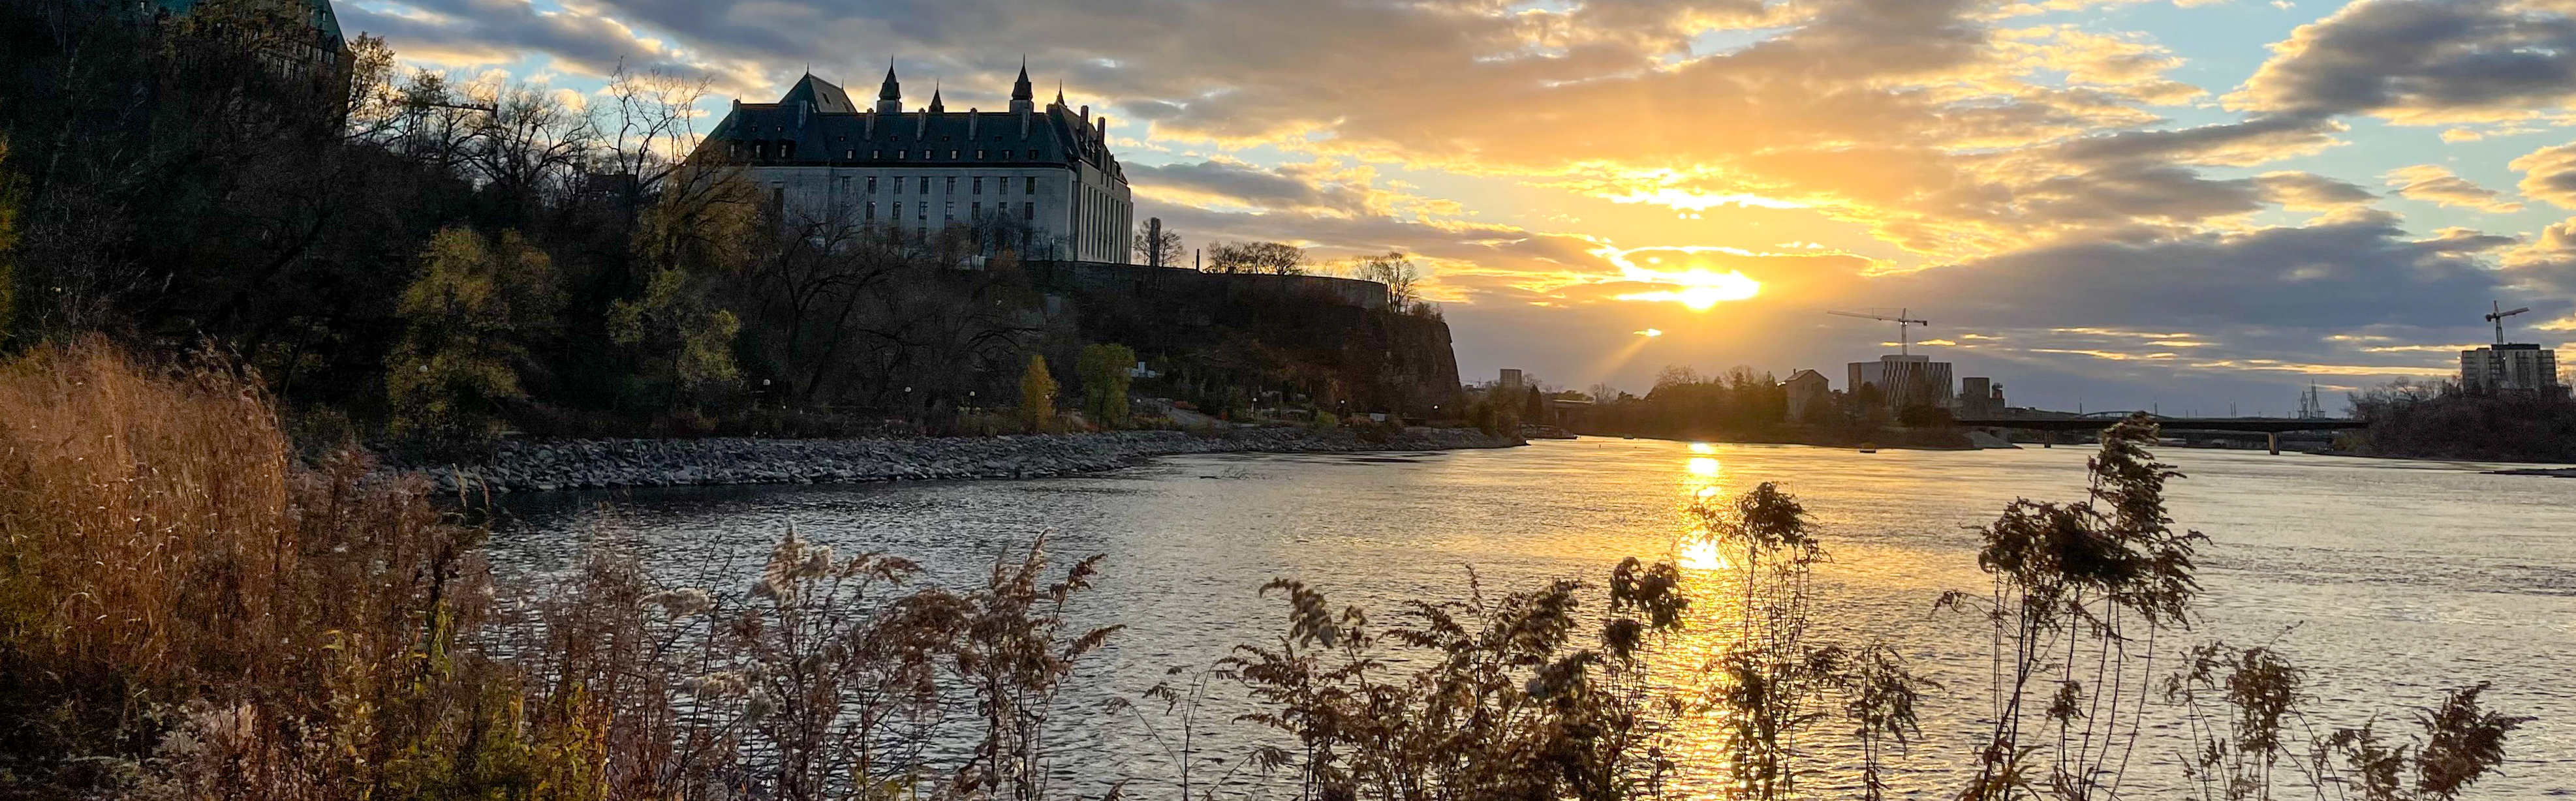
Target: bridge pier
{"x":2273,"y":438}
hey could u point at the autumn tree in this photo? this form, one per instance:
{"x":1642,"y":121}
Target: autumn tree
{"x":1276,"y":258}
{"x":697,"y":231}
{"x":1037,"y":394}
{"x":466,"y":320}
{"x":1103,"y":370}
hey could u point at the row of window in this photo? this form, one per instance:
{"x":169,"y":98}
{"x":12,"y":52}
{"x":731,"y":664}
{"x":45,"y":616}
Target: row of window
{"x":787,"y":150}
{"x":921,"y":184}
{"x":948,"y":212}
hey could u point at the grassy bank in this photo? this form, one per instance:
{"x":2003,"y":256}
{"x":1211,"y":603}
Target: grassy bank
{"x":190,"y":610}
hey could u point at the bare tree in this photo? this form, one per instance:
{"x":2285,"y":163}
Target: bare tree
{"x":1277,"y":258}
{"x":1396,"y":271}
{"x":1146,"y":248}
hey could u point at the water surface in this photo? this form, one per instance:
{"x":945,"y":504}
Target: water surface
{"x":2389,"y":580}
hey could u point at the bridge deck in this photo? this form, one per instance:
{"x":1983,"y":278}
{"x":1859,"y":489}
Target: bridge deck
{"x":2268,"y":425}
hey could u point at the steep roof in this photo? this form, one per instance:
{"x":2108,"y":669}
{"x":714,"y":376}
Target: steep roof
{"x":825,"y":96}
{"x":822,"y":133}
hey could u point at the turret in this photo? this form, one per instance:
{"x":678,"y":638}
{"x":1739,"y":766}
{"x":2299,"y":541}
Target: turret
{"x":936,"y":106}
{"x":1023,"y":97}
{"x":890,"y":95}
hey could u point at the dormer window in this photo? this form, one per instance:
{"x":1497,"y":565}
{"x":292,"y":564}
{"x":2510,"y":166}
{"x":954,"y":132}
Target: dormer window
{"x":952,"y":155}
{"x":876,"y":154}
{"x":926,"y":154}
{"x":979,"y":155}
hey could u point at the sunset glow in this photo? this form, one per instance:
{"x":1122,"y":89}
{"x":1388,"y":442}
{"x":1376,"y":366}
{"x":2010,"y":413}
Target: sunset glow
{"x":1700,"y":289}
{"x":1561,"y":173}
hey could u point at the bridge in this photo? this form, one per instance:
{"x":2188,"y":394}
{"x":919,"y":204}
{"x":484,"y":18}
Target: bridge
{"x":2270,"y":427}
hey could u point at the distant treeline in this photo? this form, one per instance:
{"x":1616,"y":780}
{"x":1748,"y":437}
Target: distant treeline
{"x":2434,"y":420}
{"x":403,"y":258}
{"x":1746,"y":405}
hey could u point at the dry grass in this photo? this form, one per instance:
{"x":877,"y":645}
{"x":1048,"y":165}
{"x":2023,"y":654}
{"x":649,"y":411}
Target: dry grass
{"x":175,"y":580}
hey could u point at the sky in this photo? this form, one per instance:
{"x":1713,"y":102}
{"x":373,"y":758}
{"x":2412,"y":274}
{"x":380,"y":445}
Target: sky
{"x":2197,"y":206}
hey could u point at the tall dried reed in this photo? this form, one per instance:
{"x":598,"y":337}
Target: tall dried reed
{"x":187,"y":611}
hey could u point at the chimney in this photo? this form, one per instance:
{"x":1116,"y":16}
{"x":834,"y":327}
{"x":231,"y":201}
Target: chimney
{"x":972,"y":117}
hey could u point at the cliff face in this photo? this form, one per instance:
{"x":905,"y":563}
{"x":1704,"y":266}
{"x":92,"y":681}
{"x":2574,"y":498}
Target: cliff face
{"x":1319,"y":339}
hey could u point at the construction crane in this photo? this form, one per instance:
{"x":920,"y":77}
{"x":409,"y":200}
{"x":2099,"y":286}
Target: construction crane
{"x":1900,"y":320}
{"x":2497,"y":317}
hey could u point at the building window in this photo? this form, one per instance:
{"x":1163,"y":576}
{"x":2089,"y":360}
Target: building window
{"x":899,"y":154}
{"x":952,"y":154}
{"x":1032,"y":187}
{"x":948,"y":213}
{"x":786,"y":150}
{"x":898,"y":211}
{"x":925,"y":154}
{"x":876,"y":154}
{"x":847,"y":155}
{"x":979,"y":184}
{"x":979,"y":154}
{"x":975,"y":211}
{"x":872,"y":211}
{"x":898,"y":184}
{"x":952,"y":184}
{"x":1028,"y":211}
{"x":921,"y":211}
{"x":872,"y":184}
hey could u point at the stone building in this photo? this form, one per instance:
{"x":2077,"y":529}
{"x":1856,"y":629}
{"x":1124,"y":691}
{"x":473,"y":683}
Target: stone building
{"x":1807,"y":390}
{"x":1042,"y":176}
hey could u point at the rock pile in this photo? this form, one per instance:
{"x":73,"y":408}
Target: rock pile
{"x":522,"y":466}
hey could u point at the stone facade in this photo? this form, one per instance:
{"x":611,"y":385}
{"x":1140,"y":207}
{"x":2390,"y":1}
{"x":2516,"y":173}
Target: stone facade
{"x":1043,"y":176}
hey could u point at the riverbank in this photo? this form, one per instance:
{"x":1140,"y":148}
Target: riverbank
{"x":537,"y":466}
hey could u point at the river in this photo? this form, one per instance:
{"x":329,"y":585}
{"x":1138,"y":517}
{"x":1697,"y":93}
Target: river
{"x":2388,"y":580}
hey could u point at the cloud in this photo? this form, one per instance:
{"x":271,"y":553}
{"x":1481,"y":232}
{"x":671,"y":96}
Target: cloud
{"x":2434,"y":184}
{"x":2307,"y":191}
{"x":2422,"y":62}
{"x":2549,"y":174}
{"x":577,"y":36}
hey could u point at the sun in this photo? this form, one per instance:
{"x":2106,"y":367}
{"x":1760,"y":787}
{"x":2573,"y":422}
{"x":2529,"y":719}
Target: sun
{"x":1696,"y":287}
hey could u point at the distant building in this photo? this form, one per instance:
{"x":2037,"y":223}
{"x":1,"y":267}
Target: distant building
{"x":1904,"y":381}
{"x":1044,"y":174}
{"x":318,"y":50}
{"x":2504,"y":368}
{"x":1510,"y":383}
{"x":1807,"y":392}
{"x":1980,"y":398}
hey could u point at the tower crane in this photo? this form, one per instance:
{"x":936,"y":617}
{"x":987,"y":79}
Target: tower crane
{"x":1900,"y":320}
{"x":2497,"y":317}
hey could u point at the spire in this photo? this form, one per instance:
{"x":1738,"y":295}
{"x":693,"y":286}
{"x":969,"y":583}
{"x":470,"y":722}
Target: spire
{"x":1023,"y":98}
{"x":1059,"y":93}
{"x":935,"y":105}
{"x":890,"y":95}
